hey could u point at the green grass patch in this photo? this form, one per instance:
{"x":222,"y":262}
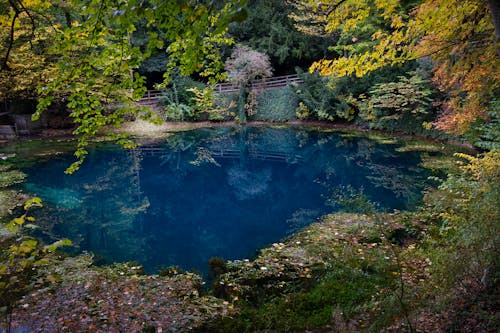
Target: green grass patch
{"x":347,"y":291}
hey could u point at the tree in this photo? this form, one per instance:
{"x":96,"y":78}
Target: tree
{"x":269,"y":29}
{"x":24,"y":38}
{"x":242,"y":67}
{"x":401,"y":105}
{"x":462,"y":47}
{"x":246,"y":65}
{"x":94,"y":61}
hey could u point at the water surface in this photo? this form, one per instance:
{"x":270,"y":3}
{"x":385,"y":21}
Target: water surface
{"x":220,"y":192}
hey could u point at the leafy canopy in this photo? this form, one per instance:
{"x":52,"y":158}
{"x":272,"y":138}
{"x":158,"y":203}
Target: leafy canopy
{"x":376,"y":34}
{"x":92,"y":60}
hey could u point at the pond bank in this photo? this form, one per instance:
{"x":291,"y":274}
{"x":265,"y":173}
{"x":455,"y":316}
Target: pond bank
{"x":145,"y":129}
{"x":341,"y":267}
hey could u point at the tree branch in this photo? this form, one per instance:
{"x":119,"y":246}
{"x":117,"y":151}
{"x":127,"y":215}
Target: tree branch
{"x":334,"y":7}
{"x":32,"y":19}
{"x":5,"y":60}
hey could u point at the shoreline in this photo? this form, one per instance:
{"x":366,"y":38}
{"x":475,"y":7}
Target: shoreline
{"x":142,"y":129}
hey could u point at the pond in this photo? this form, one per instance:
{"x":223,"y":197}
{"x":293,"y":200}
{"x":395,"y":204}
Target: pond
{"x":216,"y":192}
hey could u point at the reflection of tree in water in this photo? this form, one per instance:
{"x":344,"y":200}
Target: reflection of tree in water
{"x":348,"y":199}
{"x":110,"y":210}
{"x":360,"y":162}
{"x":203,"y":155}
{"x":397,"y":180}
{"x":248,"y":184}
{"x":114,"y":204}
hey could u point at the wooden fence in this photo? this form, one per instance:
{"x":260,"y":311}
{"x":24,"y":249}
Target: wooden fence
{"x":152,"y":96}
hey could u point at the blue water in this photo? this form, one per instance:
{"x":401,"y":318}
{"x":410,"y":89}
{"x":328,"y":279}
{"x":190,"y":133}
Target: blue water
{"x":221,"y":192}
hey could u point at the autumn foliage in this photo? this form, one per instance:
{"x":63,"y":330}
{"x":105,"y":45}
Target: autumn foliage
{"x":458,"y":36}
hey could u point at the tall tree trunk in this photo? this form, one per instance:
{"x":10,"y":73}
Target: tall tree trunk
{"x":495,"y":15}
{"x":242,"y":112}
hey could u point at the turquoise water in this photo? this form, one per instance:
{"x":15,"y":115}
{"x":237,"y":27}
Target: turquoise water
{"x":223,"y":192}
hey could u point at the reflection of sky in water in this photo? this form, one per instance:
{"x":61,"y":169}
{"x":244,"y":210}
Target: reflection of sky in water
{"x":213,"y":192}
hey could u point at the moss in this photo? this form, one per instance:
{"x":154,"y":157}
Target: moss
{"x":9,"y":199}
{"x":440,"y":163}
{"x":25,"y":153}
{"x":338,"y":265}
{"x":422,"y":146}
{"x":381,"y":139}
{"x":11,"y":177}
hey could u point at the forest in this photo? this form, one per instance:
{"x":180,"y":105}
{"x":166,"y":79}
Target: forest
{"x":364,"y":81}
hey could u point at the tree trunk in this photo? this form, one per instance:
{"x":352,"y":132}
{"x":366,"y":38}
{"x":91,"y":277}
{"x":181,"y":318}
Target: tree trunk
{"x":495,"y":15}
{"x":242,"y":112}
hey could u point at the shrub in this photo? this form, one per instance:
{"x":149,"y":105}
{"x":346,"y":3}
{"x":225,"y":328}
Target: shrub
{"x":277,"y":104}
{"x":325,"y":97}
{"x":177,"y":112}
{"x":302,"y":112}
{"x":402,"y":105}
{"x":177,"y":101}
{"x":465,"y":247}
{"x":216,"y":107}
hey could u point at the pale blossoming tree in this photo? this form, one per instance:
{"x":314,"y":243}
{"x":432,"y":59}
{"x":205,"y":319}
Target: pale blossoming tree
{"x":242,"y":67}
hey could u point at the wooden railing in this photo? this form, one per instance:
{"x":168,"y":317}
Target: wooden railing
{"x":228,"y":87}
{"x":276,"y":82}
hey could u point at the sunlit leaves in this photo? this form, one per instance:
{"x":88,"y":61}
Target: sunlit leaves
{"x":466,"y":206}
{"x":372,"y":34}
{"x":23,"y":62}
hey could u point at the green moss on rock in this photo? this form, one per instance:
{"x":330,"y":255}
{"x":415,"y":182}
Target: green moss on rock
{"x":11,"y":177}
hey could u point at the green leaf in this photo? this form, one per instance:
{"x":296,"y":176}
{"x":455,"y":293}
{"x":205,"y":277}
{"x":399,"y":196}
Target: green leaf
{"x":60,"y":243}
{"x":33,"y":202}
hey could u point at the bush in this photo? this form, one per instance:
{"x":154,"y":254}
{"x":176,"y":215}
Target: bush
{"x":277,"y":104}
{"x":215,"y":107}
{"x":177,"y":112}
{"x":177,"y":101}
{"x":465,"y":207}
{"x":402,"y":105}
{"x":325,"y":97}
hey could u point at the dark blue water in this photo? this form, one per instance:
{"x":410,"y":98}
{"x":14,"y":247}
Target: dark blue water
{"x":220,"y":192}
